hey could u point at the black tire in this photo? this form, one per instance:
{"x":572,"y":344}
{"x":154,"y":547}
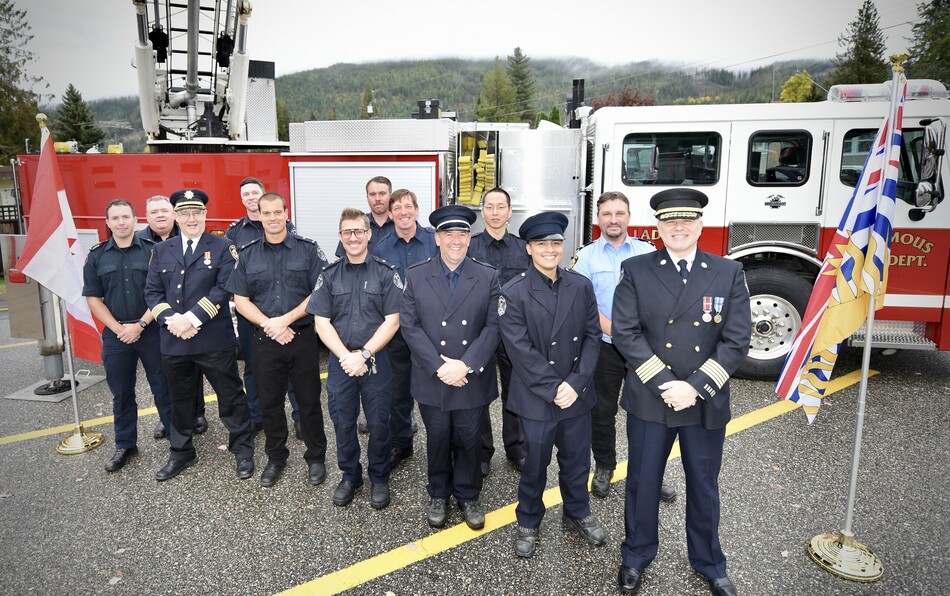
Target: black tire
{"x":778,"y":298}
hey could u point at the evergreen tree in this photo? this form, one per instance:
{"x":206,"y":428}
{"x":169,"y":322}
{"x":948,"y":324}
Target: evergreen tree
{"x":498,"y":98}
{"x":519,"y":72}
{"x":76,"y":122}
{"x":365,"y":100}
{"x":555,"y":116}
{"x":930,"y":52}
{"x":283,"y":121}
{"x":18,"y":102}
{"x":863,"y":58}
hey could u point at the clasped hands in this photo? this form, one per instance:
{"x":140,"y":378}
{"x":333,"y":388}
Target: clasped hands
{"x":454,"y":372}
{"x":180,"y":326}
{"x":354,"y":364}
{"x":277,"y":329}
{"x":678,"y":395}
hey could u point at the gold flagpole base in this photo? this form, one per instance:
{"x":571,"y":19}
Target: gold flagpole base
{"x":845,"y":557}
{"x":80,"y":442}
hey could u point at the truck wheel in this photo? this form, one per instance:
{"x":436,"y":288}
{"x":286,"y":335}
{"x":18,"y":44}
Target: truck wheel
{"x":778,"y":298}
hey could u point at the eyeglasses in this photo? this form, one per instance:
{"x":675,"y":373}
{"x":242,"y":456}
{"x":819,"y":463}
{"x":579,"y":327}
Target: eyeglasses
{"x":357,"y":233}
{"x":196,"y":214}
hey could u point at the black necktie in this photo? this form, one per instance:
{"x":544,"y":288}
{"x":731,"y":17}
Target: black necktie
{"x":684,"y":270}
{"x":453,"y":280}
{"x":189,"y":252}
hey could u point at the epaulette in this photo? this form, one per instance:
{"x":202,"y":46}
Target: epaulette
{"x":377,"y":259}
{"x":483,"y":264}
{"x":249,"y":243}
{"x":516,"y":280}
{"x":417,"y":264}
{"x":234,"y":223}
{"x":643,"y":241}
{"x":98,"y":246}
{"x":304,"y":238}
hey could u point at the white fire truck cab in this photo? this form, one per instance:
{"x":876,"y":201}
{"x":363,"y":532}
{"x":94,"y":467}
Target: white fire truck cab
{"x":778,"y":177}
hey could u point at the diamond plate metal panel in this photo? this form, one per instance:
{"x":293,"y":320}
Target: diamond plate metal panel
{"x":261,"y":113}
{"x":800,"y":234}
{"x":375,"y":136}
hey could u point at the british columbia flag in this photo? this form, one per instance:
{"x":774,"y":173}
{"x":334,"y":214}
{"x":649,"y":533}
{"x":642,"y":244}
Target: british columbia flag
{"x":854,"y":270}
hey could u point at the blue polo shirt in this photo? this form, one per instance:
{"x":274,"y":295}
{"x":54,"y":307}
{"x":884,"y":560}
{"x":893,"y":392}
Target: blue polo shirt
{"x":600,"y":262}
{"x":401,"y":253}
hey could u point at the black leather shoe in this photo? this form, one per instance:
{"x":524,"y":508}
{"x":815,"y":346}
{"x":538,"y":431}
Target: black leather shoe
{"x":344,"y":492}
{"x":119,"y":458}
{"x":722,"y":586}
{"x":297,"y":430}
{"x":201,"y":424}
{"x":667,"y":493}
{"x":526,"y":540}
{"x":271,"y":474}
{"x":589,"y":528}
{"x":245,"y":468}
{"x":438,"y":511}
{"x":316,"y":473}
{"x":159,"y":432}
{"x":600,"y":485}
{"x":256,"y":427}
{"x":486,"y":468}
{"x":362,"y":426}
{"x":174,"y":467}
{"x":398,"y":455}
{"x":517,"y":463}
{"x":474,"y":516}
{"x":379,"y":496}
{"x":629,"y":580}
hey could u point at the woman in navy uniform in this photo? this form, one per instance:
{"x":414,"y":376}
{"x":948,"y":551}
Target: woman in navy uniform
{"x":681,"y":321}
{"x":549,"y":323}
{"x":449,"y":318}
{"x":185,"y":290}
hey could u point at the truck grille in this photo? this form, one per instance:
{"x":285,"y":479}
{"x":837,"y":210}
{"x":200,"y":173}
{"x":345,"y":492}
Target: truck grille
{"x":800,"y":234}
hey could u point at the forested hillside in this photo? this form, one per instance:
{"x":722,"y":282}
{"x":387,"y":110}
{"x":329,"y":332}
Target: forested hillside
{"x":334,"y":93}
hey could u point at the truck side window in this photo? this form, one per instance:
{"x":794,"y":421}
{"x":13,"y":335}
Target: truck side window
{"x":670,"y":158}
{"x":779,"y":158}
{"x":857,"y":145}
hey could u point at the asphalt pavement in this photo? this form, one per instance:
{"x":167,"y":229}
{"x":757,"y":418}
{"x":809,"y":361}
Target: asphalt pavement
{"x":68,"y":527}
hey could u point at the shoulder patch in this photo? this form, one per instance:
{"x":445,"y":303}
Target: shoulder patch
{"x":573,"y":262}
{"x":234,"y":252}
{"x":397,"y":281}
{"x":319,"y":283}
{"x":502,"y":305}
{"x":320,"y":254}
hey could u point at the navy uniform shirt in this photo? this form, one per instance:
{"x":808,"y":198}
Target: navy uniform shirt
{"x":148,"y":234}
{"x":278,"y":277}
{"x":401,"y":254}
{"x":246,"y":230}
{"x":379,"y":231}
{"x":117,"y":275}
{"x":507,"y":255}
{"x":356,"y":298}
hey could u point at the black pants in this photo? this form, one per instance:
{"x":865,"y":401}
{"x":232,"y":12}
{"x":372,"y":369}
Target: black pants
{"x":299,"y":363}
{"x":511,"y":432}
{"x":453,"y":447}
{"x":400,"y":418}
{"x":608,"y":378}
{"x":184,"y":383}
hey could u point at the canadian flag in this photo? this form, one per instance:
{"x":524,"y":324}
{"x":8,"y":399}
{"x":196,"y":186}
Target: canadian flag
{"x":53,"y":255}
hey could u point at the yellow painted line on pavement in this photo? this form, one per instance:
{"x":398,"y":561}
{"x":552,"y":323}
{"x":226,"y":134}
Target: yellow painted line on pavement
{"x":418,"y":550}
{"x":20,"y":344}
{"x":55,"y":430}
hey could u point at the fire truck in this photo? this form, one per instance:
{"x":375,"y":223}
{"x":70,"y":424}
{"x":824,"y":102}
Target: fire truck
{"x":778,"y":175}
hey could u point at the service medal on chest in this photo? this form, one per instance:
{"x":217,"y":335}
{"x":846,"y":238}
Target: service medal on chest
{"x":719,"y":301}
{"x":707,"y":308}
{"x":207,"y":260}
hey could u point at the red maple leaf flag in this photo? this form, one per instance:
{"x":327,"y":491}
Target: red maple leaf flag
{"x":53,"y":254}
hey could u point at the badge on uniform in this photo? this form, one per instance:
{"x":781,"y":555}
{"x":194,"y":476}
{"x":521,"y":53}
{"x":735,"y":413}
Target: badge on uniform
{"x":207,"y":260}
{"x":396,"y":280}
{"x":234,"y":252}
{"x":502,"y":305}
{"x":707,"y":309}
{"x":718,"y":302}
{"x":320,"y":254}
{"x":319,"y":283}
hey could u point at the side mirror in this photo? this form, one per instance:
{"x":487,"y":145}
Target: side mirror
{"x":932,"y":153}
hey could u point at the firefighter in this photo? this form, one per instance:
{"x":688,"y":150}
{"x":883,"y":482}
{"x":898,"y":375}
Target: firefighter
{"x":356,"y":307}
{"x":271,"y":284}
{"x":186,"y":292}
{"x":681,"y":321}
{"x":241,"y":232}
{"x":378,"y":191}
{"x":113,"y":282}
{"x":599,"y":262}
{"x":506,"y":253}
{"x":449,"y":317}
{"x":408,"y":244}
{"x":548,"y":321}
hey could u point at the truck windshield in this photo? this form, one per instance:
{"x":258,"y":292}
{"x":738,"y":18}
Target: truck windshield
{"x":858,"y":143}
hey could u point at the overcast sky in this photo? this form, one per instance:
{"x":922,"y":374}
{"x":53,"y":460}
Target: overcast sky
{"x":89,"y":43}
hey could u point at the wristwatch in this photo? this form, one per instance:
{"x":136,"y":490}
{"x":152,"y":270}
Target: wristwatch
{"x":142,"y":324}
{"x":366,"y":354}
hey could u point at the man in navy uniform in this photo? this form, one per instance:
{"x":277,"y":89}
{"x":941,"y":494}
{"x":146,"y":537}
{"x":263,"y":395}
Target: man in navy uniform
{"x":600,"y":262}
{"x":506,"y":253}
{"x":271,"y":284}
{"x":408,"y":244}
{"x":113,"y":282}
{"x":548,"y":321}
{"x":681,"y":321}
{"x":185,"y":290}
{"x":241,"y":233}
{"x":378,"y":191}
{"x":356,"y":307}
{"x":449,"y":317}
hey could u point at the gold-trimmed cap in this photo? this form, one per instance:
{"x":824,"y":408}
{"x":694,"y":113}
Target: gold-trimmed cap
{"x":189,"y":198}
{"x":678,"y":203}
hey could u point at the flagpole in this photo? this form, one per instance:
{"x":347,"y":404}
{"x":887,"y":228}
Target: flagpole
{"x":81,"y":440}
{"x":840,"y":553}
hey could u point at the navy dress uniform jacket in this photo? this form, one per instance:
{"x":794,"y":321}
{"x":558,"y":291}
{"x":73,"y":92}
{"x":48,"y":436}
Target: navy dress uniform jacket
{"x":173,"y":286}
{"x":550,"y":339}
{"x":463,"y":325}
{"x":659,"y":329}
